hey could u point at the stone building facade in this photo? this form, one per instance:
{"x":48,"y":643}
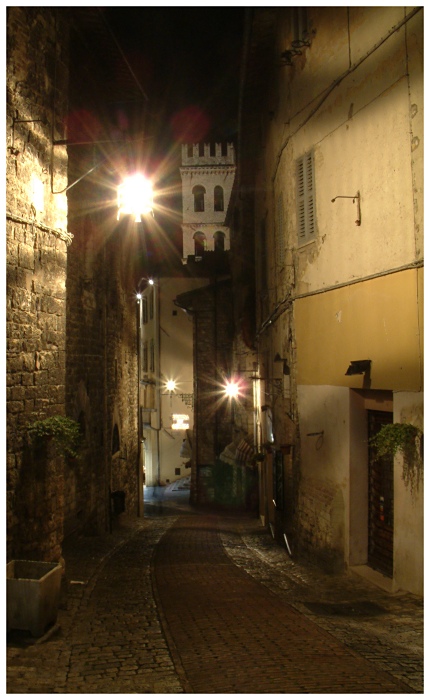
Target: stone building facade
{"x":72,"y":270}
{"x":36,"y":263}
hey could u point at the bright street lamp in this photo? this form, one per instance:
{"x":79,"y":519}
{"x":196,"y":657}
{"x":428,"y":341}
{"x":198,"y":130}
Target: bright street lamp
{"x":231,"y":389}
{"x":135,"y":196}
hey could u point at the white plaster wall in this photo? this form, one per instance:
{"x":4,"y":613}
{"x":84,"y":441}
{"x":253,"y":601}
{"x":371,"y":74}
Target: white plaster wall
{"x":176,"y":363}
{"x":348,"y":132}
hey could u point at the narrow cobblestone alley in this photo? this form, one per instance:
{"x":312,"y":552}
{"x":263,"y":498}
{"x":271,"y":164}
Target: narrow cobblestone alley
{"x":186,"y":602}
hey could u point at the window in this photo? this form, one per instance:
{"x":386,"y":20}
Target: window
{"x":199,"y":198}
{"x":219,"y":240}
{"x":144,"y":302}
{"x":218,"y":198}
{"x":199,"y":243}
{"x":151,"y":356}
{"x":151,"y":303}
{"x":306,"y":224}
{"x":190,"y":150}
{"x":145,"y":357}
{"x":115,"y":439}
{"x":279,"y":233}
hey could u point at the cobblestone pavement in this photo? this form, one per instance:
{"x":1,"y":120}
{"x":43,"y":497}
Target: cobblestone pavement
{"x":183,"y":602}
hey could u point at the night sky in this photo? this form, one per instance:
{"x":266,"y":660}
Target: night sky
{"x":185,"y":89}
{"x":187,"y":59}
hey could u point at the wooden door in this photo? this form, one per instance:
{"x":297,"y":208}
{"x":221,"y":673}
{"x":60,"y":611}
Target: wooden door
{"x":381,"y":501}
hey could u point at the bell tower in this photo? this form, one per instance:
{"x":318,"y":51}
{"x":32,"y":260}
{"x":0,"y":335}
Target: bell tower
{"x":207,"y":173}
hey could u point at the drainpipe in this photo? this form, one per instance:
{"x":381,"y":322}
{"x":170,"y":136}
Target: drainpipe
{"x":139,"y":421}
{"x":157,"y":370}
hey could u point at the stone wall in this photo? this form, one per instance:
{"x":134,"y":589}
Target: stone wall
{"x":102,"y":382}
{"x":36,"y":255}
{"x":212,"y":308}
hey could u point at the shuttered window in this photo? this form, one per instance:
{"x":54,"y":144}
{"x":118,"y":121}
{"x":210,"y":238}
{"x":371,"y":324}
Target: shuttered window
{"x":306,"y":219}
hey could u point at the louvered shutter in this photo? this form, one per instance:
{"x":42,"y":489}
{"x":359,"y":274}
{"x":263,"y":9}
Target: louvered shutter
{"x":305,"y":199}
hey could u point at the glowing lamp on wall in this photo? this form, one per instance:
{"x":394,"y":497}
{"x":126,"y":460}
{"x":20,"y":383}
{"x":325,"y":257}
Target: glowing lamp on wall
{"x":231,"y":389}
{"x":135,"y":197}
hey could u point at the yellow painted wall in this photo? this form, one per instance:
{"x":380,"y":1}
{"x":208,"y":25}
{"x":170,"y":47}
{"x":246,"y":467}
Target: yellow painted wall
{"x":378,"y":320}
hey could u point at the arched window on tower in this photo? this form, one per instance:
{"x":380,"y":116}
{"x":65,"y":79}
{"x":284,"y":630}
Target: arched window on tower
{"x":199,"y":198}
{"x":218,"y":198}
{"x":219,"y":240}
{"x":199,"y":243}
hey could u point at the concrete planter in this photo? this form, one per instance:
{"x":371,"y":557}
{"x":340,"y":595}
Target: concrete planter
{"x":33,"y":594}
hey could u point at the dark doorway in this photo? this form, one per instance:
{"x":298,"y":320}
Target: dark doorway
{"x":381,"y":501}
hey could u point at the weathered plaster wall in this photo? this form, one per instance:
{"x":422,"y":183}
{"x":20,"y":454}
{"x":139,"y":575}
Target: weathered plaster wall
{"x":355,"y":97}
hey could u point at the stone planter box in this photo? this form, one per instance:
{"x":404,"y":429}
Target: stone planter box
{"x":33,"y":595}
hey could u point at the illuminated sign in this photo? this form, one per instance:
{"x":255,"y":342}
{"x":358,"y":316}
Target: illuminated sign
{"x":180,"y":421}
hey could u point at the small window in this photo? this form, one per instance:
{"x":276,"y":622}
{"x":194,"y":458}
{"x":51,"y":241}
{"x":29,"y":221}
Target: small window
{"x":151,"y":356}
{"x":115,"y":439}
{"x":218,"y":198}
{"x":190,"y":150}
{"x":219,"y":240}
{"x":144,"y":302}
{"x":199,"y":243}
{"x":145,"y":357}
{"x":201,"y":149}
{"x":199,"y":198}
{"x":306,"y":220}
{"x":151,"y":303}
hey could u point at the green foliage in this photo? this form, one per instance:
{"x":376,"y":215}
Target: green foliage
{"x":404,"y":438}
{"x":65,"y":432}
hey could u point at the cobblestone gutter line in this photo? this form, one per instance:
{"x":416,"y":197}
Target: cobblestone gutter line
{"x":391,"y":638}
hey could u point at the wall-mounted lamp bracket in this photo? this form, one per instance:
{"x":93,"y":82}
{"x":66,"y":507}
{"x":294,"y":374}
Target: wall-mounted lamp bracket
{"x":353,"y":197}
{"x":358,"y":367}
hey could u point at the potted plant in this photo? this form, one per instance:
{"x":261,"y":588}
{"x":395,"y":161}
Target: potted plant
{"x":404,"y":438}
{"x":65,"y":433}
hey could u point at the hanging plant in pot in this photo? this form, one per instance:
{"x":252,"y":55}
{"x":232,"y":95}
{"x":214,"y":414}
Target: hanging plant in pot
{"x":64,"y":432}
{"x":406,"y":439}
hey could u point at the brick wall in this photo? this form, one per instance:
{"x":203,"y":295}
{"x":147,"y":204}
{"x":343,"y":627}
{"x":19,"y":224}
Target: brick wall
{"x":36,"y":255}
